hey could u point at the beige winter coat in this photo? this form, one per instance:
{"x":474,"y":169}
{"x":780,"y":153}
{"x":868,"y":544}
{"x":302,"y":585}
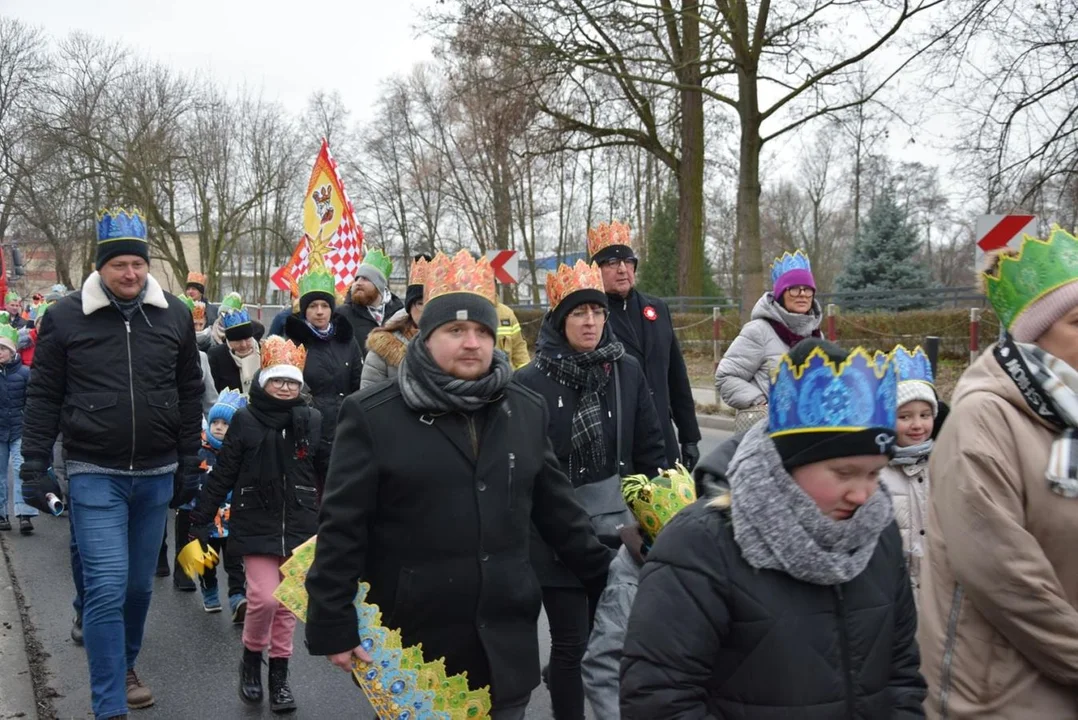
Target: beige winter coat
{"x":999,"y":584}
{"x":909,"y":494}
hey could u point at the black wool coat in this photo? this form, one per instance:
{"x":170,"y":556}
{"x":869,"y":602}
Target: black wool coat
{"x":225,"y":371}
{"x":434,"y":511}
{"x":334,"y":367}
{"x":711,"y":637}
{"x":653,"y":343}
{"x":361,"y":321}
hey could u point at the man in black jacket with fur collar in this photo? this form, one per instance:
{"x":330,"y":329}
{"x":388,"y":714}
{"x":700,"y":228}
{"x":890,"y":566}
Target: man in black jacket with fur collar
{"x":117,"y":371}
{"x":441,"y":534}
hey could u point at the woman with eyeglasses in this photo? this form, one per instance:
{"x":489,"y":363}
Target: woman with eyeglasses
{"x":594,"y":392}
{"x":781,"y":319}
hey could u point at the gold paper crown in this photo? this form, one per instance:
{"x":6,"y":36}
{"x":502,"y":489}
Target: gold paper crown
{"x":418,"y":275}
{"x":198,"y":310}
{"x":604,"y":235}
{"x":278,"y":351}
{"x":568,"y":280}
{"x":461,"y":273}
{"x":196,"y":278}
{"x":655,"y":501}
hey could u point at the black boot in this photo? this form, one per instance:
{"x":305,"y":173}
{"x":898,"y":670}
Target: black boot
{"x":281,"y":699}
{"x":162,"y":563}
{"x":251,"y":676}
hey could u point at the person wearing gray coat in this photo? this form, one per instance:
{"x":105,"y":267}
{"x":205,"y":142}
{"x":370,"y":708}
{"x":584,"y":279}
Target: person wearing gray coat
{"x":386,"y":346}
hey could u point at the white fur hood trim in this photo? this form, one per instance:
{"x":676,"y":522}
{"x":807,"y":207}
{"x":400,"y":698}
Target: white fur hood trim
{"x":94,"y":297}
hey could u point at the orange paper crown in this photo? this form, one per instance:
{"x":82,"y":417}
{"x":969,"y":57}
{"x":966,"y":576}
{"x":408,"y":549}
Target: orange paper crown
{"x":196,"y":277}
{"x":567,"y":280}
{"x":604,"y":235}
{"x":278,"y":351}
{"x":461,"y":273}
{"x":419,"y":272}
{"x":198,"y":312}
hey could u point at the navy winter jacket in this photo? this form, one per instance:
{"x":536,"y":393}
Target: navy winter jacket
{"x":12,"y":399}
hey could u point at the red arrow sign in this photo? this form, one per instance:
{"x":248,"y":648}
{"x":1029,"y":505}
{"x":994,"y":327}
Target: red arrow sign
{"x":1004,"y":231}
{"x":505,"y":264}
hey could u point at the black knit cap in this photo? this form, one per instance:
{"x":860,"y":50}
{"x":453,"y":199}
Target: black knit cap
{"x":122,"y":246}
{"x":610,"y":252}
{"x":412,"y":295}
{"x":240,"y":332}
{"x":805,"y":448}
{"x":573,"y":300}
{"x":197,"y":286}
{"x":306,"y":300}
{"x":455,"y":306}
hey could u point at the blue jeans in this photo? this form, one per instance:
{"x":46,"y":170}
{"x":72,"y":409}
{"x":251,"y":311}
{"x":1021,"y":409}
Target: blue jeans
{"x":76,"y":562}
{"x":119,"y":522}
{"x":12,"y":452}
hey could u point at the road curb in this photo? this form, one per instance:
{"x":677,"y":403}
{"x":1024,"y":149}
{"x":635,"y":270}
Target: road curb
{"x":16,"y":682}
{"x":716,"y":422}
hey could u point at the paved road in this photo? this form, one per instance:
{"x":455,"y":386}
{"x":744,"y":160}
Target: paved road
{"x":189,"y":659}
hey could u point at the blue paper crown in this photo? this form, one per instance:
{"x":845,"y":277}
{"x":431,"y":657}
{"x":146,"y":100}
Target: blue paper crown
{"x":817,"y":396}
{"x":228,"y":402}
{"x":235,"y":318}
{"x":912,"y":365}
{"x":788,"y":262}
{"x":119,"y":224}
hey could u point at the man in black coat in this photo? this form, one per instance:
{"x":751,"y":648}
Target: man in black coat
{"x":117,"y":372}
{"x":644,"y":325}
{"x":432,"y":487}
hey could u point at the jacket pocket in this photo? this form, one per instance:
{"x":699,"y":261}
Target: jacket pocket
{"x":307,"y":497}
{"x":91,"y":419}
{"x":246,"y":498}
{"x":164,"y":412}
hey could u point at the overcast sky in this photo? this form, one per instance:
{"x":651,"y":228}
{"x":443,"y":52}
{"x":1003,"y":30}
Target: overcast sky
{"x":288,"y":49}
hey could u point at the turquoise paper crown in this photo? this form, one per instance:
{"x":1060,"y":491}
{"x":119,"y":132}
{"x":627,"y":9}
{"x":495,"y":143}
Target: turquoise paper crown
{"x":788,"y":262}
{"x":912,"y":365}
{"x":234,"y":318}
{"x":119,"y":224}
{"x":817,"y":396}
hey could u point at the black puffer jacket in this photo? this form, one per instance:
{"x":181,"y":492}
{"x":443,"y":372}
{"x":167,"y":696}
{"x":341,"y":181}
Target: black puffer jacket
{"x":334,"y":367}
{"x":642,"y":449}
{"x":125,"y":395}
{"x":712,"y":637}
{"x":361,"y":321}
{"x":274,"y":493}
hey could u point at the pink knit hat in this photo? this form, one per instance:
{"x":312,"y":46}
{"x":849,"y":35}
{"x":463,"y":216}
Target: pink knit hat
{"x":1041,"y":314}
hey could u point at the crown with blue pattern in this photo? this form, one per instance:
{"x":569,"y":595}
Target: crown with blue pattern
{"x":119,"y":224}
{"x":234,"y":318}
{"x":818,"y":396}
{"x":912,"y":365}
{"x":788,"y":263}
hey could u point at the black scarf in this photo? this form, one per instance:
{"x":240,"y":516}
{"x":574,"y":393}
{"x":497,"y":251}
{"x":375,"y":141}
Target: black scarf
{"x":278,"y":448}
{"x":425,"y":387}
{"x":588,"y":373}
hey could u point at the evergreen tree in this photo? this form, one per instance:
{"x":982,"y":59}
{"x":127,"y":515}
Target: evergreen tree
{"x":885,"y":253}
{"x":658,"y":275}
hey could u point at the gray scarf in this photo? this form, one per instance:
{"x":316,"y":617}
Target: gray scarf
{"x":779,"y":527}
{"x":427,"y":388}
{"x":912,"y":454}
{"x":802,"y":325}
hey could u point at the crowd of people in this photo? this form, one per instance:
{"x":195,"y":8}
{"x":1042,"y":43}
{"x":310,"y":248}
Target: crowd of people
{"x":857,"y":549}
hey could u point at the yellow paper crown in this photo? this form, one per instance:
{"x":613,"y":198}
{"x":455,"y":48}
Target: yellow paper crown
{"x":278,"y":351}
{"x":568,"y":280}
{"x":604,"y":235}
{"x":418,"y":275}
{"x":461,"y":273}
{"x":197,"y":278}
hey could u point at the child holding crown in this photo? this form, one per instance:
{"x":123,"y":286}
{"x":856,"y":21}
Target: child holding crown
{"x":272,"y":461}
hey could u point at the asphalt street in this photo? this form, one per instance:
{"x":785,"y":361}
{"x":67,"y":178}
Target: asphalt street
{"x":189,"y":659}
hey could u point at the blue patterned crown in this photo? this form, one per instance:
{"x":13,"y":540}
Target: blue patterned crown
{"x":234,"y":318}
{"x":912,"y":364}
{"x":119,"y":224}
{"x":788,"y":262}
{"x":817,"y":396}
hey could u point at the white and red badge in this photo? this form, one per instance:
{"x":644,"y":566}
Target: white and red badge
{"x":651,"y":314}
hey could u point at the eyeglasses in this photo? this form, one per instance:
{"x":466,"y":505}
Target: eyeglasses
{"x":285,"y":384}
{"x":584,"y":312}
{"x":800,"y":290}
{"x":617,"y":262}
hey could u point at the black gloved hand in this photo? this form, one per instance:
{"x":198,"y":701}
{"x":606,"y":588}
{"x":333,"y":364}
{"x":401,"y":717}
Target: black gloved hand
{"x":690,"y":455}
{"x":199,"y":531}
{"x":37,"y":484}
{"x":186,"y":480}
{"x":632,"y":537}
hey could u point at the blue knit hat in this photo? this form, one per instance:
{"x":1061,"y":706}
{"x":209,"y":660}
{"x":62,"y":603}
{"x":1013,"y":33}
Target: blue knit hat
{"x":226,"y":406}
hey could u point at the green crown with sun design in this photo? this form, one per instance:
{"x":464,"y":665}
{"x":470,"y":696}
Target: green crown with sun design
{"x":654,"y":502}
{"x":1038,"y":268}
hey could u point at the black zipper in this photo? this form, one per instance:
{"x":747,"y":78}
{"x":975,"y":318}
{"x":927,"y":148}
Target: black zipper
{"x":131,"y":385}
{"x":512,"y":466}
{"x":844,"y":642}
{"x":475,"y":439}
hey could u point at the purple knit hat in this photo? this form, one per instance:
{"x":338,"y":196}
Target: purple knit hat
{"x":790,"y":271}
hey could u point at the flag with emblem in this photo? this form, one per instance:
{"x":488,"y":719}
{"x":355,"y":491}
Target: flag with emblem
{"x":329,"y":222}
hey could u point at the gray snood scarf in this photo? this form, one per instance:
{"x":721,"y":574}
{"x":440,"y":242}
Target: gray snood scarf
{"x":779,"y":527}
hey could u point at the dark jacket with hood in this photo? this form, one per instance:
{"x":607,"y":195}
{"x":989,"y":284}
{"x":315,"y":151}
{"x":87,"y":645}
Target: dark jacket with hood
{"x":125,"y":394}
{"x":642,"y":449}
{"x":14,"y":378}
{"x":644,"y":325}
{"x":434,"y":511}
{"x":361,"y":321}
{"x":334,"y":366}
{"x":273,"y":460}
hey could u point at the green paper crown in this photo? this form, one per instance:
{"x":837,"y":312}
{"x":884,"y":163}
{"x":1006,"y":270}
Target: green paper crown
{"x":188,"y":302}
{"x":1040,"y":267}
{"x":654,"y":502}
{"x":6,"y":330}
{"x":378,"y":259}
{"x":232,"y":301}
{"x":11,"y":296}
{"x":317,"y":281}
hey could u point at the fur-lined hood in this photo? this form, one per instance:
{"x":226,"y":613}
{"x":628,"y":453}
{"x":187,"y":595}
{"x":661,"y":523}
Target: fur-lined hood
{"x":390,"y":342}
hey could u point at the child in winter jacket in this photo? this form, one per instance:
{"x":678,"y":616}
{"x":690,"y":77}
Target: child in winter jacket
{"x":272,"y":462}
{"x":14,"y":376}
{"x":906,"y":477}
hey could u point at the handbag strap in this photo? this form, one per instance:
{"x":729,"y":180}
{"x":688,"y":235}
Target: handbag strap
{"x":617,"y":421}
